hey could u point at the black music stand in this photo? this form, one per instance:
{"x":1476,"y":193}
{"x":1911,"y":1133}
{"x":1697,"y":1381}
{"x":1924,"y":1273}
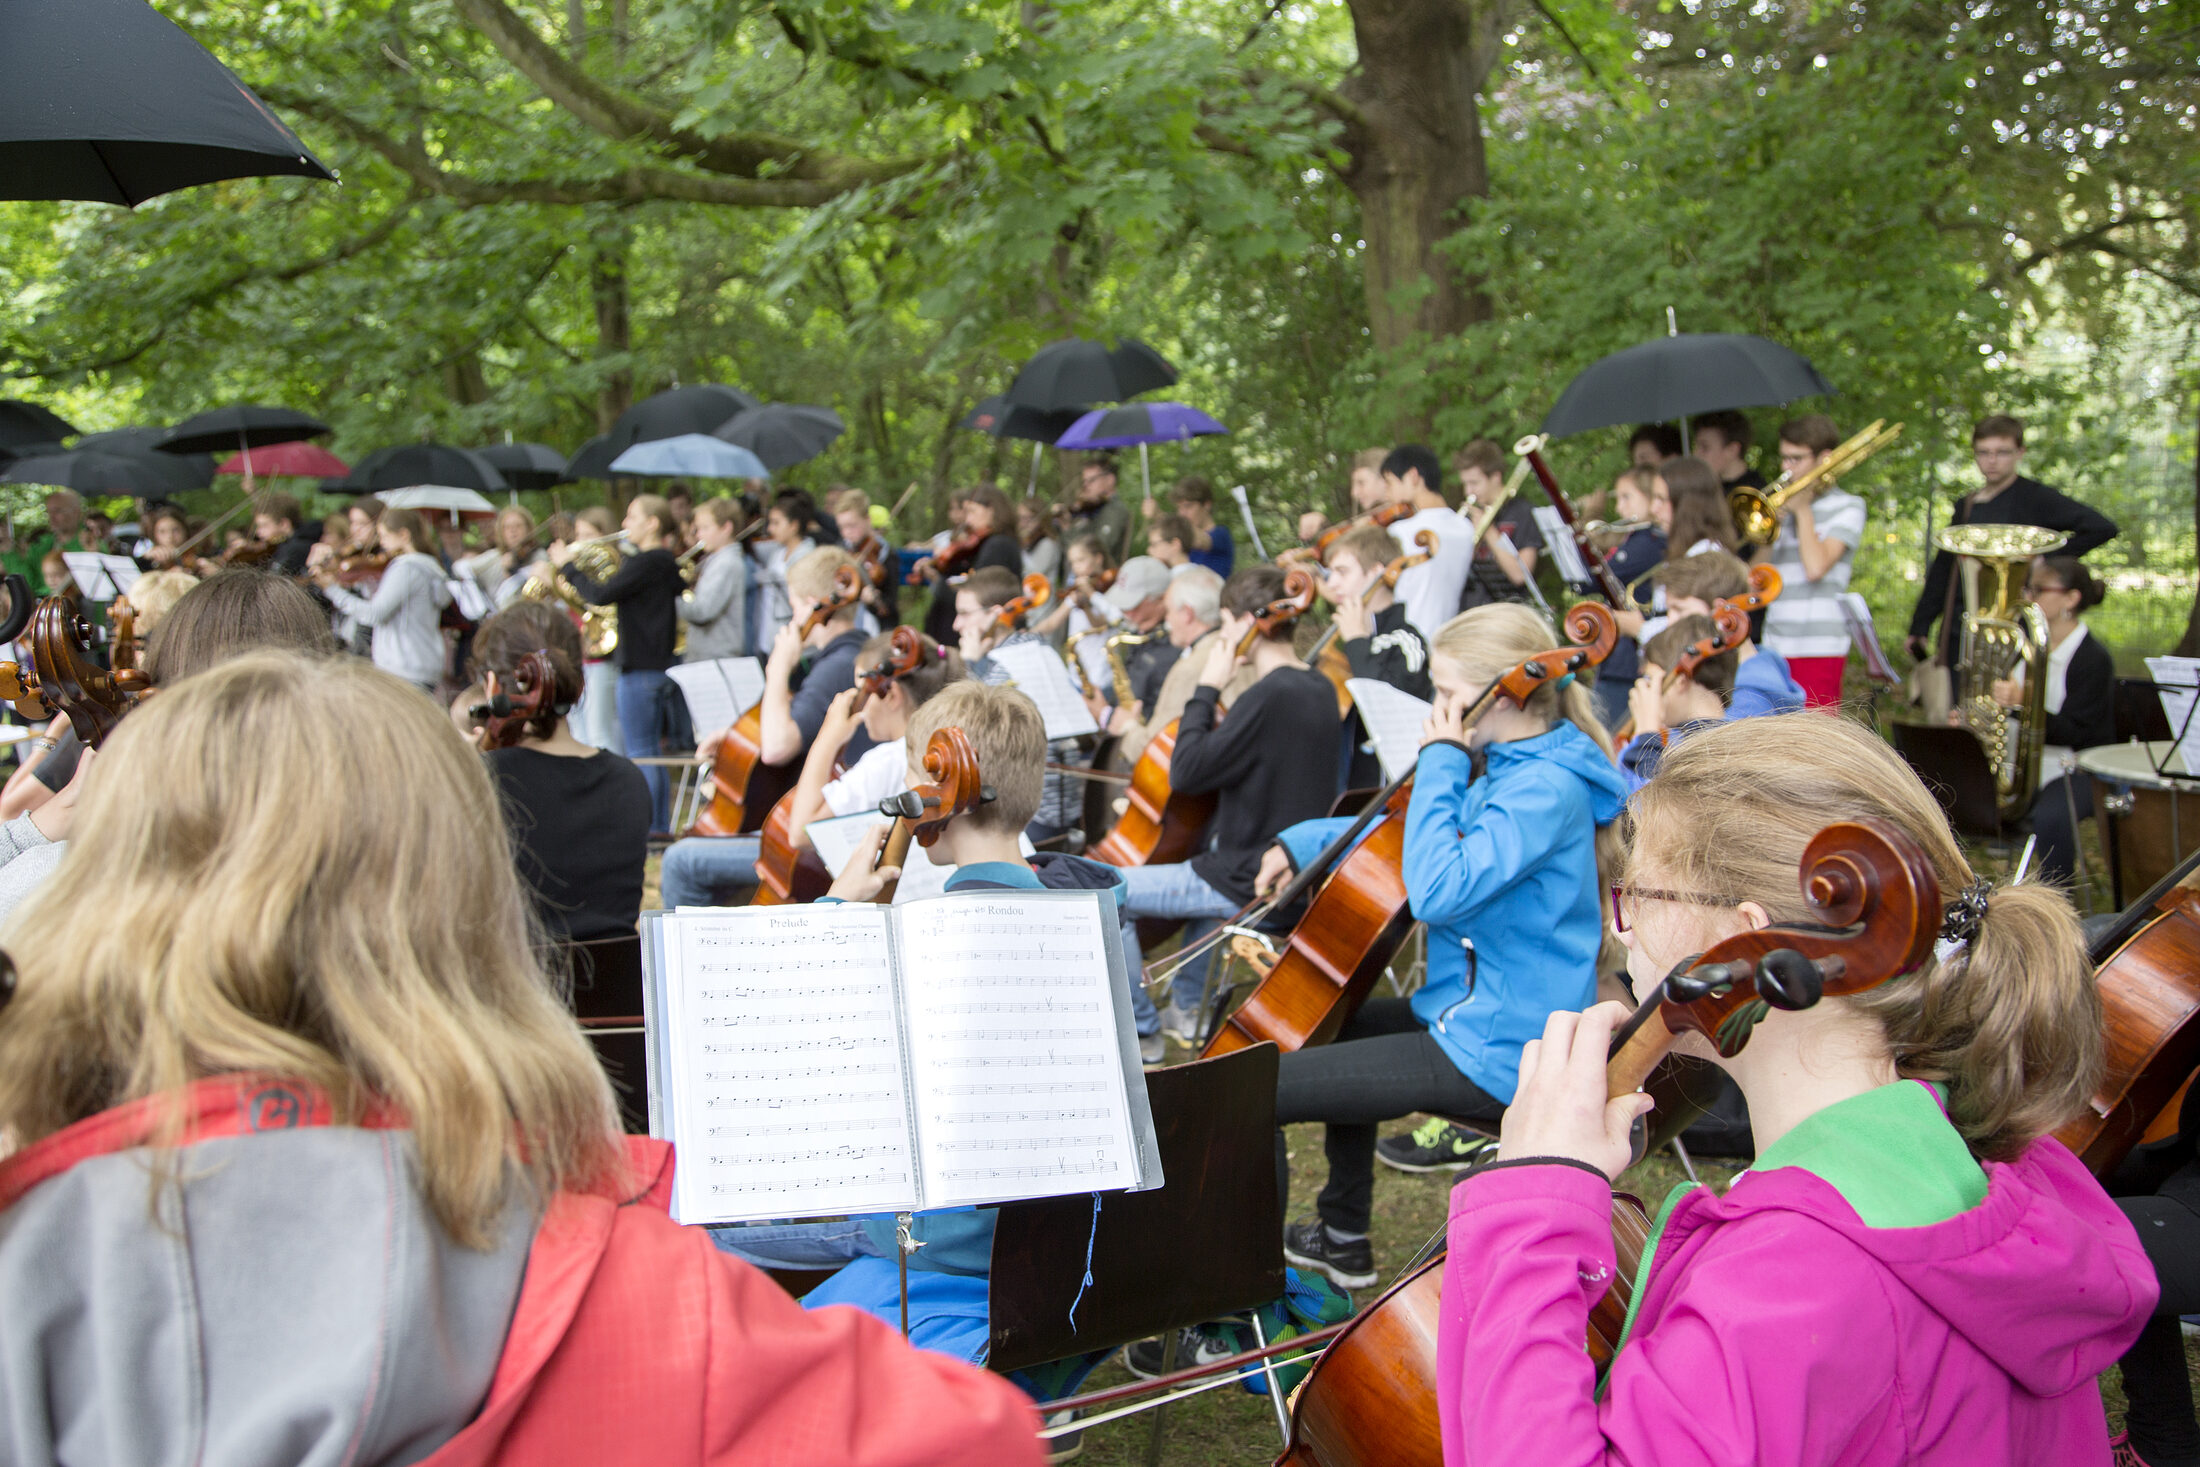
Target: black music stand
{"x":607,"y":999}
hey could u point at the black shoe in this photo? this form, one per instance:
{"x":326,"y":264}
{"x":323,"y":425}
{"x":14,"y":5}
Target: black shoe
{"x":1195,"y":1345}
{"x":1347,"y":1265}
{"x":1435,"y":1146}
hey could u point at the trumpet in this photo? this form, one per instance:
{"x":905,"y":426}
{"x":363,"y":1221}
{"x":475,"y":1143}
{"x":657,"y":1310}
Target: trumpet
{"x":1757,"y":512}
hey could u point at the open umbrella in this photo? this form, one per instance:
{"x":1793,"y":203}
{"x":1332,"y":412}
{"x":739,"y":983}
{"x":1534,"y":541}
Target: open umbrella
{"x":695,"y":409}
{"x":90,"y":471}
{"x":438,"y":496}
{"x":286,"y":460}
{"x":25,"y":423}
{"x":1001,"y":418}
{"x":1075,"y":371}
{"x":409,"y":464}
{"x":592,"y":460}
{"x":1140,"y":423}
{"x":107,"y":100}
{"x":693,"y":455}
{"x":782,"y":433}
{"x":1677,"y":377}
{"x":526,"y":465}
{"x":246,"y":425}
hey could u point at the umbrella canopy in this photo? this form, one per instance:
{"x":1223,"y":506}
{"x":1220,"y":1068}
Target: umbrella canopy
{"x":26,"y":423}
{"x":90,"y":471}
{"x":782,"y":433}
{"x":526,"y":465}
{"x":592,"y":460}
{"x":437,"y":496}
{"x":1074,"y":372}
{"x":677,"y":410}
{"x":107,"y":100}
{"x":1138,"y":423}
{"x":1004,"y":419}
{"x":246,"y":425}
{"x":288,"y":460}
{"x":696,"y":455}
{"x":410,"y":464}
{"x":1675,"y":377}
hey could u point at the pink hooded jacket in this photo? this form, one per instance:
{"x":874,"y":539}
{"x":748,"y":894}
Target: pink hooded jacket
{"x":1777,"y":1328}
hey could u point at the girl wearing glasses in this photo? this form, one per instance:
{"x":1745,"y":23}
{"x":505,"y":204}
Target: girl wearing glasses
{"x":1912,"y":1272}
{"x":2081,"y":707}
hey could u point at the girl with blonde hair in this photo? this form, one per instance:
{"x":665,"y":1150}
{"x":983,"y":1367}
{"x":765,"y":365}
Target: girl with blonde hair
{"x":1912,"y":1272}
{"x":1503,"y":867}
{"x":326,"y":1172}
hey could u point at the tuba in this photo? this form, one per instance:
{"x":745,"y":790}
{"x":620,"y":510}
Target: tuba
{"x":2003,"y":634}
{"x":600,"y":558}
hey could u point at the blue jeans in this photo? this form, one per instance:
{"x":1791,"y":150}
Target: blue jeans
{"x":703,"y":871}
{"x":796,"y":1244}
{"x":1171,"y":891}
{"x":595,"y":719}
{"x":641,"y":717}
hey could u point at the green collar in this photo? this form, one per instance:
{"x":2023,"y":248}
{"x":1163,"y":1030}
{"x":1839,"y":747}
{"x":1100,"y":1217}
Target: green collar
{"x":1891,"y":1153}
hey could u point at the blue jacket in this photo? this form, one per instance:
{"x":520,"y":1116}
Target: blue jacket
{"x":1762,"y":685}
{"x":1504,"y":873}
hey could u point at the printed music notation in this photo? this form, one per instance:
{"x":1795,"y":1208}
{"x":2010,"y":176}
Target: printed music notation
{"x":840,"y":1042}
{"x":1027,"y":1036}
{"x":1028,"y":1087}
{"x":1022,"y":1117}
{"x":802,"y":1128}
{"x":799,"y":992}
{"x":1026,"y":1143}
{"x":801,"y":1184}
{"x":816,"y":1097}
{"x":821,"y":1155}
{"x":1029,"y":1173}
{"x":1049,"y":1006}
{"x":1050,"y":1060}
{"x":801,"y":1072}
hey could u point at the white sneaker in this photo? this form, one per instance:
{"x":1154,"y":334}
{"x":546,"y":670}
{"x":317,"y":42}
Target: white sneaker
{"x":1178,"y":1025}
{"x":1152,"y":1049}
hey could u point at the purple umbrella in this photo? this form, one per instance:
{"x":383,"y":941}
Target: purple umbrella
{"x":1141,"y":423}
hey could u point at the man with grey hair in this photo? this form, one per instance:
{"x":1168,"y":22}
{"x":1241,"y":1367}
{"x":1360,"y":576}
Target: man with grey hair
{"x":1191,"y":611}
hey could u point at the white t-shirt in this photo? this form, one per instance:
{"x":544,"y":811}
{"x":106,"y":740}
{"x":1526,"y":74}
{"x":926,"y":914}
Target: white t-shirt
{"x":1430,"y":592}
{"x":880,"y":774}
{"x":1806,"y":620}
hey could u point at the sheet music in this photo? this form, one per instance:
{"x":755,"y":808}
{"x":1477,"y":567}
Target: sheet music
{"x":1014,"y":1037}
{"x":2177,"y":680}
{"x":792,"y":1097}
{"x":1857,"y":612}
{"x":101,"y":577}
{"x":1393,"y":719}
{"x":1043,"y":677}
{"x":836,"y":840}
{"x":1558,"y":543}
{"x":719,"y":692}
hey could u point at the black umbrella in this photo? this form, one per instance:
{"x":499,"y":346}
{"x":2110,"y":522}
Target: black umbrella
{"x":697,"y":409}
{"x":106,"y":100}
{"x":25,"y":423}
{"x":592,"y":460}
{"x":225,"y":430}
{"x":1004,"y":419}
{"x":526,"y":465}
{"x":410,"y":464}
{"x":91,"y":471}
{"x":1077,"y":372}
{"x":782,"y":433}
{"x":1676,"y":377}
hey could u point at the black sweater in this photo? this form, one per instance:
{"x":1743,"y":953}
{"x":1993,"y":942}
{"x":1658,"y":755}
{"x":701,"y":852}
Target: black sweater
{"x":1273,"y":761}
{"x":580,"y":833}
{"x":2026,"y":502}
{"x":2088,"y":717}
{"x":646,"y":588}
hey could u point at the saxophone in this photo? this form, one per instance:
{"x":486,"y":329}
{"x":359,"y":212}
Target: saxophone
{"x":1124,"y":697}
{"x":2003,"y":633}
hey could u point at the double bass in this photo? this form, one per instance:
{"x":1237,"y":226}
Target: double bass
{"x":786,"y":873}
{"x":742,"y":786}
{"x":1159,"y":825}
{"x":1358,"y":918}
{"x":1371,"y":1397}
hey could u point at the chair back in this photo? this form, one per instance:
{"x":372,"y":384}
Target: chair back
{"x":607,"y":999}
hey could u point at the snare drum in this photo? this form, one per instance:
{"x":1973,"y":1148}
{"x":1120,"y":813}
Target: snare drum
{"x":2147,"y":826}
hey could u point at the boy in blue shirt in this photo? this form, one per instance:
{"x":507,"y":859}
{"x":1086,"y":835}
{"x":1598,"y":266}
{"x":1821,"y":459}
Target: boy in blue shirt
{"x":1747,"y":682}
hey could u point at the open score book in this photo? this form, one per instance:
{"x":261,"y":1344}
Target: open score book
{"x":848,"y":1058}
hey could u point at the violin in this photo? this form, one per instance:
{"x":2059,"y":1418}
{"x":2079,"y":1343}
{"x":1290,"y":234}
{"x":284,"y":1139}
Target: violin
{"x":785,"y":873}
{"x":251,"y":552}
{"x":1730,"y":622}
{"x":742,"y":786}
{"x":1371,"y":1398}
{"x":1011,"y":613}
{"x":1384,"y":515}
{"x":1357,"y":921}
{"x":873,"y":555}
{"x":1082,"y":591}
{"x":352,"y":570}
{"x":1327,"y":656}
{"x":920,"y":813}
{"x":1607,"y":585}
{"x":529,"y":706}
{"x":958,"y":557}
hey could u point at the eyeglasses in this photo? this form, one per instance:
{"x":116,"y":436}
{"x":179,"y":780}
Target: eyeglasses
{"x":1625,"y":897}
{"x":2032,"y":590}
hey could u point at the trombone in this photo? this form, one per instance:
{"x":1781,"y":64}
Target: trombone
{"x":1757,"y":512}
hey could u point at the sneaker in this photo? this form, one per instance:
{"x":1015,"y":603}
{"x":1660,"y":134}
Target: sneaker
{"x":1179,"y":1025}
{"x":1196,"y":1344}
{"x":1152,"y":1049}
{"x":1347,"y":1265}
{"x":1435,"y":1146}
{"x":1066,"y":1446}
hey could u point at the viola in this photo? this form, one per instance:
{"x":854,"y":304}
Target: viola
{"x":528,"y":706}
{"x":1371,"y":1398}
{"x":1011,"y":613}
{"x":742,"y":786}
{"x":955,"y":788}
{"x":786,"y":873}
{"x":1357,"y":920}
{"x":1730,"y":628}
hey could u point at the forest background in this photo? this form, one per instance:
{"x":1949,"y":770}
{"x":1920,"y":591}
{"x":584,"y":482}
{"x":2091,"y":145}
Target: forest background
{"x":1348,"y":221}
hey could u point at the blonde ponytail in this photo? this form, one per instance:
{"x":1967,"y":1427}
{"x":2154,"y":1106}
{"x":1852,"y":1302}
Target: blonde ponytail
{"x":2010,"y":1022}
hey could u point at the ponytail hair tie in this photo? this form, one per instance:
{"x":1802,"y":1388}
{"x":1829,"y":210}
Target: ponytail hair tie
{"x":1563,"y":683}
{"x":1960,"y":919}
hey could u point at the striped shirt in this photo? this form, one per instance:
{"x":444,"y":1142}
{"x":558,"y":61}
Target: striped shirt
{"x":1806,"y":621}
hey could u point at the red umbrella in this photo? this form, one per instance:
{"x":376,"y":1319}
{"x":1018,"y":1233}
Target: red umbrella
{"x":278,"y":460}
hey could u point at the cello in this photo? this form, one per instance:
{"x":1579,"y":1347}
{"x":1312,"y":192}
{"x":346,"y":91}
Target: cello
{"x":742,"y":786}
{"x":1730,"y":615}
{"x":66,"y":678}
{"x":1358,"y":918}
{"x":785,"y":872}
{"x":528,"y":706}
{"x":1371,"y":1397}
{"x":918,"y":813}
{"x":1158,"y":825}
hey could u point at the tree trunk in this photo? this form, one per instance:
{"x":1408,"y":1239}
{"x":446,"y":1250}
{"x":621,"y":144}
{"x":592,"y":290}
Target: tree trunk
{"x":2189,"y":644}
{"x":1415,"y":145}
{"x":614,"y":324}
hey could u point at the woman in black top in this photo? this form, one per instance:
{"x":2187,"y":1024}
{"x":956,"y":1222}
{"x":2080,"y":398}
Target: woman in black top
{"x":578,"y":817}
{"x":988,"y":514}
{"x":2081,"y":707}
